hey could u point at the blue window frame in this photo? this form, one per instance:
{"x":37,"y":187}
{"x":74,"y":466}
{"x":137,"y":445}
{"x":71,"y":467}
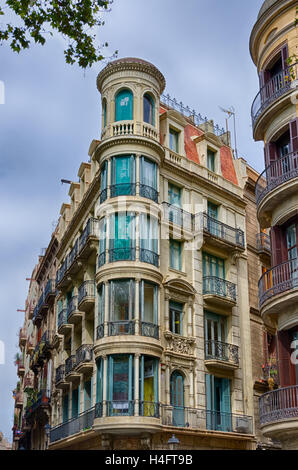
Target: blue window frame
{"x":148,"y":109}
{"x":148,"y":386}
{"x":210,"y":160}
{"x":101,"y":303}
{"x":120,"y":385}
{"x":123,"y":176}
{"x":124,"y":106}
{"x":176,"y":317}
{"x":174,"y":195}
{"x":122,"y":236}
{"x":175,"y":254}
{"x":99,"y":380}
{"x":218,"y":403}
{"x":213,"y":266}
{"x":174,"y":140}
{"x":149,"y":239}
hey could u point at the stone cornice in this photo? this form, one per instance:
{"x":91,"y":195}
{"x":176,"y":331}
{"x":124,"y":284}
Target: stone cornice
{"x":277,"y":9}
{"x":127,"y":140}
{"x":133,"y":65}
{"x":80,"y":212}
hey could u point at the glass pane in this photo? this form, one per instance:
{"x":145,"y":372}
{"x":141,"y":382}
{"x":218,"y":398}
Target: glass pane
{"x":120,"y":300}
{"x":124,"y":106}
{"x":148,"y":109}
{"x":174,"y":140}
{"x":120,"y":379}
{"x":148,"y":302}
{"x":122,"y":170}
{"x":149,"y":173}
{"x":210,"y":160}
{"x":174,"y":195}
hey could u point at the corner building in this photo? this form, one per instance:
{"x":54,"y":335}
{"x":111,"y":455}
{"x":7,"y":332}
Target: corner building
{"x":152,"y":294}
{"x":273,"y":46}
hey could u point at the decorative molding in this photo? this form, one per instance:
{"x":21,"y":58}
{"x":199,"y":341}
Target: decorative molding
{"x":179,"y":344}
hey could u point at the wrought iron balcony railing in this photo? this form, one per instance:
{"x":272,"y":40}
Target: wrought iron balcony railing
{"x":91,"y":230}
{"x":120,"y":408}
{"x":82,"y":422}
{"x":98,"y":410}
{"x":70,"y":364}
{"x":60,"y":373}
{"x":150,"y":409}
{"x":279,"y":405}
{"x":195,"y":418}
{"x":223,"y":231}
{"x":122,"y":254}
{"x":123,"y":189}
{"x":73,"y":253}
{"x":84,"y":354}
{"x":216,"y":286}
{"x":103,"y":195}
{"x":148,"y":192}
{"x":50,"y":288}
{"x":150,"y":329}
{"x":276,"y":87}
{"x":263,"y":242}
{"x":62,"y":317}
{"x":87,"y":289}
{"x":178,"y":216}
{"x":279,"y":279}
{"x":278,"y":172}
{"x":222,"y":351}
{"x":148,"y":256}
{"x":43,"y":399}
{"x":101,"y":260}
{"x":123,"y":327}
{"x":100,"y":331}
{"x":72,"y":305}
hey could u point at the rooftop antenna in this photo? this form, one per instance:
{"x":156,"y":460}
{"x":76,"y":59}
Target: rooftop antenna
{"x":231,"y":112}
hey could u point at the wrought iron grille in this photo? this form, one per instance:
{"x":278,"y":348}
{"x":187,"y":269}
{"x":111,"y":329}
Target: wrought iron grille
{"x":196,"y":118}
{"x":82,"y":422}
{"x":277,"y":173}
{"x":62,"y":317}
{"x":279,"y":405}
{"x":120,"y":408}
{"x":98,"y":410}
{"x":276,"y":87}
{"x":70,"y":364}
{"x":222,"y":351}
{"x":100,"y":331}
{"x":50,"y":288}
{"x":87,"y":289}
{"x":178,"y":216}
{"x":223,"y":231}
{"x":101,"y":259}
{"x":150,"y":409}
{"x":72,"y":306}
{"x":60,"y":373}
{"x":148,"y":192}
{"x":148,"y":256}
{"x":122,"y":254}
{"x":217,"y":286}
{"x":91,"y":230}
{"x":150,"y":329}
{"x":278,"y":279}
{"x":123,"y":189}
{"x":123,"y":327}
{"x":84,"y":354}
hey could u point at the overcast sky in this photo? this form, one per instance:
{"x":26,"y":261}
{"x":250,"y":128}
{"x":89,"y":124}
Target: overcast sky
{"x":52,"y":113}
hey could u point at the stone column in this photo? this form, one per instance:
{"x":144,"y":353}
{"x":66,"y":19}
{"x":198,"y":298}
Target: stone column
{"x":138,"y":174}
{"x":136,"y":384}
{"x":104,"y":386}
{"x":190,"y":328}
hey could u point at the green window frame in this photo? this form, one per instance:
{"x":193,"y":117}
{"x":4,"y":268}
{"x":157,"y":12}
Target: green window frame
{"x":176,"y":317}
{"x":213,"y":266}
{"x":99,"y":380}
{"x":88,"y":394}
{"x":218,"y":403}
{"x":101,"y":303}
{"x":210,"y":160}
{"x":174,"y":140}
{"x":122,"y":299}
{"x":174,"y":195}
{"x":124,"y":105}
{"x":123,"y":175}
{"x":176,"y":254}
{"x":122,"y":241}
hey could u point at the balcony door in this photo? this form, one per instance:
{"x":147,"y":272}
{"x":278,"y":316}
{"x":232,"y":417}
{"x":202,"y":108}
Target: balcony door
{"x":213,"y":226}
{"x":215,"y":336}
{"x":75,"y":403}
{"x":218,"y":404}
{"x":120,"y":385}
{"x":123,"y":176}
{"x":148,"y":386}
{"x":177,"y":398}
{"x":122,"y":236}
{"x":291,"y":234}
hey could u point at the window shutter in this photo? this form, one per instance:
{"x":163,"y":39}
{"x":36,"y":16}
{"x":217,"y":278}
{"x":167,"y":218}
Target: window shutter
{"x":286,"y":369}
{"x":294,"y":134}
{"x":270,"y":153}
{"x":277,"y":248}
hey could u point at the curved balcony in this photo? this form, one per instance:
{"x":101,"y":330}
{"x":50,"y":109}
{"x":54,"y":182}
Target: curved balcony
{"x":271,"y":188}
{"x":122,"y":254}
{"x":130,"y":128}
{"x":279,"y":411}
{"x":277,"y":287}
{"x":271,"y":95}
{"x":219,"y":291}
{"x":123,"y":189}
{"x":221,"y":355}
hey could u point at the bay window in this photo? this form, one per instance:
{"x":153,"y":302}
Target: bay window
{"x":122,"y":302}
{"x":124,"y":106}
{"x":148,"y":378}
{"x":148,"y":179}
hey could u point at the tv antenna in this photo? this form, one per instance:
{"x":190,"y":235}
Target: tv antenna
{"x":231,"y":112}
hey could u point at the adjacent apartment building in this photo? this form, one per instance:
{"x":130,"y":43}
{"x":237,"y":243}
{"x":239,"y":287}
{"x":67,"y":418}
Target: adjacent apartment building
{"x":145,"y":316}
{"x":273,"y":47}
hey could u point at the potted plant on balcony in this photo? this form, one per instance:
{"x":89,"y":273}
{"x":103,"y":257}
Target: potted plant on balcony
{"x":17,"y":359}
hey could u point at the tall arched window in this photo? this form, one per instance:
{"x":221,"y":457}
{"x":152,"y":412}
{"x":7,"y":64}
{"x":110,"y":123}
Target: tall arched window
{"x":124,"y":106}
{"x":149,"y":108}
